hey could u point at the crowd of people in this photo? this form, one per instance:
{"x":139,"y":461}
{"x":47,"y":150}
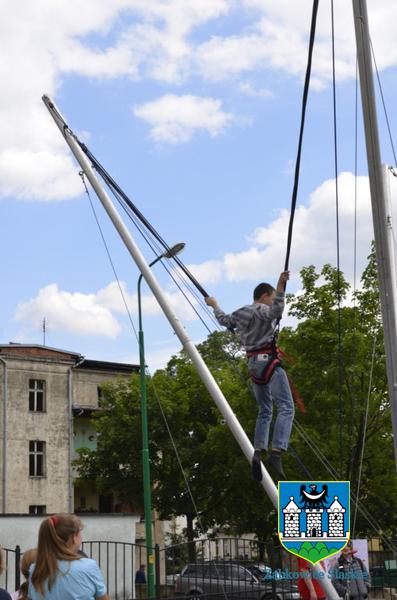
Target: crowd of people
{"x":58,"y":570}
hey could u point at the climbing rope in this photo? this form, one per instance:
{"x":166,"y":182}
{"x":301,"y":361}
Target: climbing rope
{"x":302,"y":126}
{"x":338,"y":283}
{"x":364,"y":430}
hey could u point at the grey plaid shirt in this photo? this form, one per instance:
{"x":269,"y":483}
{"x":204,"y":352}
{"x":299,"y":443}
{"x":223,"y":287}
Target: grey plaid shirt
{"x":254,"y":323}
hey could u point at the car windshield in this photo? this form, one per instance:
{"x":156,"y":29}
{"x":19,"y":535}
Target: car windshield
{"x":263,"y":571}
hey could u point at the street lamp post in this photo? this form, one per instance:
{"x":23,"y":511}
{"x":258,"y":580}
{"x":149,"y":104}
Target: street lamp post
{"x":147,"y":496}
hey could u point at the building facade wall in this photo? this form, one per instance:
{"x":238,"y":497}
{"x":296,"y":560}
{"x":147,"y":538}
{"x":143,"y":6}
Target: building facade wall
{"x":50,"y":426}
{"x":87,"y":383}
{"x":66,"y":385}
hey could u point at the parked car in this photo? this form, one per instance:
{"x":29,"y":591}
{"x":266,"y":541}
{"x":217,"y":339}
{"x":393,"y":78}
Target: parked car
{"x":231,"y":580}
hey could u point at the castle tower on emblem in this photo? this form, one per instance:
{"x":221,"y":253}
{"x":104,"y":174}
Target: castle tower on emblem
{"x":335,"y":518}
{"x":313,"y":522}
{"x":291,"y":519}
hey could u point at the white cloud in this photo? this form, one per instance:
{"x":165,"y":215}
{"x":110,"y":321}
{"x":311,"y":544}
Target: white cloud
{"x":314,"y":237}
{"x":162,"y":40}
{"x":209,"y":271}
{"x":277,"y":38}
{"x":64,"y":311}
{"x":251,"y":91}
{"x":37,"y":175}
{"x":111,"y":298}
{"x":135,"y":38}
{"x":93,"y":314}
{"x":176,"y":119}
{"x":314,"y":234}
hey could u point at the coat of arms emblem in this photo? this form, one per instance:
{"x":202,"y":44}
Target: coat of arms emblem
{"x":314,"y":517}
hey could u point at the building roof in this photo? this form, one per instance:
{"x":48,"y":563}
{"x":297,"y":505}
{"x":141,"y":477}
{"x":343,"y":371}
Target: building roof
{"x":102,"y":365}
{"x":336,"y":506}
{"x":32,"y":351}
{"x":292,"y":507}
{"x":15,"y":349}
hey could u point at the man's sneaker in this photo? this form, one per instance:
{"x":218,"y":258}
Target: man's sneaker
{"x":275,"y":462}
{"x":256,"y":466}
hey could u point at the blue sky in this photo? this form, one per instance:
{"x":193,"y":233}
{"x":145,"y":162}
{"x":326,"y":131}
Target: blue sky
{"x":193,"y":106}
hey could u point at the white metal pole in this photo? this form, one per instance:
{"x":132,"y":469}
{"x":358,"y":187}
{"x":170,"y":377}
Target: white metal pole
{"x":149,"y":277}
{"x":380,"y":212}
{"x":203,"y":371}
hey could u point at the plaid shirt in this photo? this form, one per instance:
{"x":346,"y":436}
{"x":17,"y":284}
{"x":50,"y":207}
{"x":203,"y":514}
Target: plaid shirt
{"x":254,"y":323}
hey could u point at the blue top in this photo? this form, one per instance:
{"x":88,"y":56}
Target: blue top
{"x":4,"y":595}
{"x":76,"y":580}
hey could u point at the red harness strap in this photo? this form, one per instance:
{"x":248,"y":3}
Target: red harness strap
{"x":273,"y":352}
{"x":275,"y":357}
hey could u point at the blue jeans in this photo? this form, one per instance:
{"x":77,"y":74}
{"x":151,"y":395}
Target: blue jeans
{"x":277,"y":391}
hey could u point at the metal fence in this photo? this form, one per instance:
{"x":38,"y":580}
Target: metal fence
{"x":11,"y":578}
{"x":226,"y":568}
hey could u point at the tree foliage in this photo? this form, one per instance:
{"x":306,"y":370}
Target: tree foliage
{"x":339,"y":366}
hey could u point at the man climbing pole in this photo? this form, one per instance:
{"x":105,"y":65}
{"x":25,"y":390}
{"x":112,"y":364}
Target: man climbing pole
{"x":255,"y":325}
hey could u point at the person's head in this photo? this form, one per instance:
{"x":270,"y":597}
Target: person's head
{"x":59,"y":539}
{"x":142,"y":567}
{"x":28,"y":558}
{"x":264,"y":293}
{"x":348,"y":551}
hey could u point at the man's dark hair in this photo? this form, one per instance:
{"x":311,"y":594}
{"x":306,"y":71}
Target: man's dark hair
{"x":263,"y":288}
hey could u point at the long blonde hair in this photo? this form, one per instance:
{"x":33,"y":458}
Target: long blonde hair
{"x":54,"y":534}
{"x":28,"y":558}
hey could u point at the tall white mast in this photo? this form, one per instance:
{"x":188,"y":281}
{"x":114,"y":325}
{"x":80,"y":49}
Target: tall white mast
{"x":150,"y":279}
{"x":191,"y":350}
{"x":381,"y":207}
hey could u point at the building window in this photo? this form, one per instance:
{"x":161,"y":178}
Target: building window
{"x":37,"y":509}
{"x":36,"y":458}
{"x":36,"y":395}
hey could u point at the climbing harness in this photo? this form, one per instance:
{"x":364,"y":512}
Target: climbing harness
{"x":271,"y":358}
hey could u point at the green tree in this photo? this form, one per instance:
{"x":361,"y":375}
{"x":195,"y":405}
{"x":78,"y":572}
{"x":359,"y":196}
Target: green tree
{"x":115,"y":465}
{"x":333,"y":353}
{"x":217,"y":473}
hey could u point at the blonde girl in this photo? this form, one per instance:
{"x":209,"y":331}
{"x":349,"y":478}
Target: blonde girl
{"x":60,"y":572}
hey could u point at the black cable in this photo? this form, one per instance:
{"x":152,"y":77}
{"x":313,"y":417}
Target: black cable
{"x":298,"y":157}
{"x":167,"y":266}
{"x":300,"y":462}
{"x":383,"y":103}
{"x":81,"y":173}
{"x":112,"y":184}
{"x":154,"y":247}
{"x":338,"y":282}
{"x":354,"y":382}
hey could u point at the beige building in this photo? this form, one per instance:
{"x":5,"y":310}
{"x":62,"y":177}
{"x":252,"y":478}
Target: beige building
{"x":46,"y":397}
